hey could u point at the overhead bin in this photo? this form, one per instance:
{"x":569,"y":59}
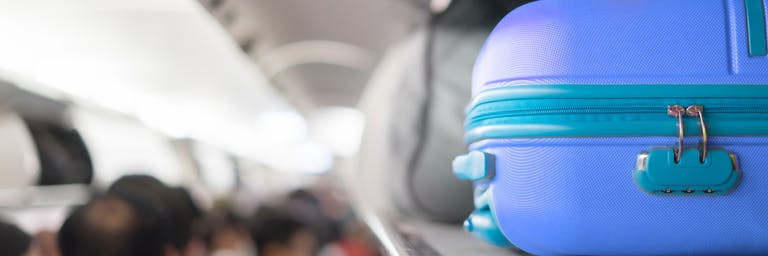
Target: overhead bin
{"x":121,"y":145}
{"x":19,"y":164}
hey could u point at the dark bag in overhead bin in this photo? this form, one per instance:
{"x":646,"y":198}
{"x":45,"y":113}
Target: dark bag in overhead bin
{"x":63,"y":156}
{"x":415,"y":107}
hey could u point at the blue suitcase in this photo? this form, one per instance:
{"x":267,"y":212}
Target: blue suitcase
{"x":611,"y":127}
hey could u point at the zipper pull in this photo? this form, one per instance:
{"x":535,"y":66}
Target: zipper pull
{"x":678,"y":111}
{"x":698,"y":111}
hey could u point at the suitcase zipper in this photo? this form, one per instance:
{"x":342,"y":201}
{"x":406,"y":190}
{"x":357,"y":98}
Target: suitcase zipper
{"x":501,"y":109}
{"x":569,"y":118}
{"x":573,"y":110}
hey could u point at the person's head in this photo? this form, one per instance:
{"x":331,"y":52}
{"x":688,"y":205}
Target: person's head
{"x":177,"y":201}
{"x":13,"y":241}
{"x":186,"y":214}
{"x":305,"y":206}
{"x":225,"y":231}
{"x":187,"y":221}
{"x":118,"y":225}
{"x":280,"y":235}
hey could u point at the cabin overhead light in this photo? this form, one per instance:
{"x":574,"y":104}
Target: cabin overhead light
{"x":120,"y":145}
{"x":217,"y":169}
{"x":315,"y":158}
{"x":438,"y":6}
{"x":307,"y":157}
{"x":338,"y":127}
{"x":279,"y":128}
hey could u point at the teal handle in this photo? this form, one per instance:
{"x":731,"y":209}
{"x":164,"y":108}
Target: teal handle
{"x":475,"y":165}
{"x":758,"y":46}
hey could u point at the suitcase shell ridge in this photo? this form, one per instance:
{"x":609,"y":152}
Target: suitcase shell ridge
{"x":620,"y":42}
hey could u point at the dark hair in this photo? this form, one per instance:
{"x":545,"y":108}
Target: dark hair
{"x":13,"y":241}
{"x":119,"y":225}
{"x":219,"y":219}
{"x":130,"y":184}
{"x":274,"y":228}
{"x":177,"y":202}
{"x":304,"y":195}
{"x":307,"y":207}
{"x":186,"y":214}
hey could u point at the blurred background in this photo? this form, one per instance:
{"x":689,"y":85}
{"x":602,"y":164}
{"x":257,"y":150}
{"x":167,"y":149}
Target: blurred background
{"x":236,"y":127}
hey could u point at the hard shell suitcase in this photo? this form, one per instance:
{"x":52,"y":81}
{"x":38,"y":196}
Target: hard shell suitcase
{"x":610,"y":127}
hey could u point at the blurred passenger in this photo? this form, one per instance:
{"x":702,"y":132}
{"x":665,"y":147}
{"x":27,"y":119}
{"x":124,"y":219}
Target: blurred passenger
{"x":308,"y":208}
{"x":116,"y":225}
{"x":187,"y":219}
{"x":183,"y":213}
{"x":356,"y":241}
{"x":282,"y":235}
{"x":14,"y":242}
{"x":338,"y":231}
{"x":227,"y":234}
